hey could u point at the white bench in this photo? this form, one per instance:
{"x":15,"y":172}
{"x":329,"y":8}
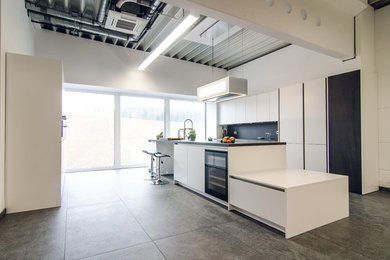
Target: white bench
{"x":291,"y":200}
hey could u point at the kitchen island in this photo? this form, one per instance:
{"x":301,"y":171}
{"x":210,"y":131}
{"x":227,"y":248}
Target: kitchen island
{"x":252,"y":178}
{"x":192,"y":166}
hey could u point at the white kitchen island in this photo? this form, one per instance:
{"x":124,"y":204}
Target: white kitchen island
{"x":259,"y":185}
{"x":291,"y":200}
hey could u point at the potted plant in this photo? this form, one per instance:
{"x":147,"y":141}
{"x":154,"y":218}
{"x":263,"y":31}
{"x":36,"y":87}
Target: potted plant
{"x":192,"y":135}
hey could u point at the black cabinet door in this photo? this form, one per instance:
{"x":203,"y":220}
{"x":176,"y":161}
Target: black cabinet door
{"x":345,"y":128}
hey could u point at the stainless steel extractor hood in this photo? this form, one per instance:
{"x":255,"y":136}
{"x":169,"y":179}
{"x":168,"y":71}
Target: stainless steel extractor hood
{"x":223,"y":89}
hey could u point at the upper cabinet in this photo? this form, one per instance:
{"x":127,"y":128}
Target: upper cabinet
{"x":250,"y":109}
{"x":240,"y":110}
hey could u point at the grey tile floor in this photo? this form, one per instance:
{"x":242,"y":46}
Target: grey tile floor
{"x":118,"y":215}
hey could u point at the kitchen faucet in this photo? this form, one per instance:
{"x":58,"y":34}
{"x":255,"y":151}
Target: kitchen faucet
{"x":185,"y":128}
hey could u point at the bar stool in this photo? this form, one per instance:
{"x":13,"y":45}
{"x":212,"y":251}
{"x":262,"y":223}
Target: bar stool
{"x":159,"y":181}
{"x":152,"y":173}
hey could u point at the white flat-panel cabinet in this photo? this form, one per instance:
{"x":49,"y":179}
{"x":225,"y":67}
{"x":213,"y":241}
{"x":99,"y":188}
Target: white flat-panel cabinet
{"x":180,"y":161}
{"x":274,"y":106}
{"x":294,"y":154}
{"x":196,"y":168}
{"x":315,"y":125}
{"x":250,"y":109}
{"x":262,"y":107}
{"x":227,"y":112}
{"x":33,"y":133}
{"x":315,"y":157}
{"x":315,"y":111}
{"x":291,"y":114}
{"x":239,"y":110}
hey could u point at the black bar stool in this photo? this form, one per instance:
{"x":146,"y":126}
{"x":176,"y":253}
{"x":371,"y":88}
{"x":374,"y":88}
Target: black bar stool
{"x":152,"y":173}
{"x":159,"y":181}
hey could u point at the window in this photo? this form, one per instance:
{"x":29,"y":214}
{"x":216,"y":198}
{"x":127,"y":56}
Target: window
{"x":181,"y":110}
{"x":141,"y":119}
{"x":89,"y":139}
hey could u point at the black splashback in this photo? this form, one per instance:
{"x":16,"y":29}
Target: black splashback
{"x":253,"y":131}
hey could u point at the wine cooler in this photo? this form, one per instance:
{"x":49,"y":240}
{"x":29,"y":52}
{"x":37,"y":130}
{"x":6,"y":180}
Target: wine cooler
{"x":216,"y":174}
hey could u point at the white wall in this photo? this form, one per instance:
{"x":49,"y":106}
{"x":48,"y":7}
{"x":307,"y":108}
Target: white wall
{"x":99,"y":64}
{"x":289,"y":66}
{"x":382,"y":47}
{"x":17,"y":36}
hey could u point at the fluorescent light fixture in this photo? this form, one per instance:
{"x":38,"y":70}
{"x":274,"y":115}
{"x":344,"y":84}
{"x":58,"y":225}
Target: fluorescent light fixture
{"x":223,"y":89}
{"x":179,"y":30}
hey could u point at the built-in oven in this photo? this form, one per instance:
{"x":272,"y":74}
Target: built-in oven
{"x":216,"y":170}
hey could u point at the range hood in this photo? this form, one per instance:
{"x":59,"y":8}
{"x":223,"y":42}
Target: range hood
{"x":223,"y":89}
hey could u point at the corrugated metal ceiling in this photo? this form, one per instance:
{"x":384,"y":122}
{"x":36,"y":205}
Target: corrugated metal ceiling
{"x":236,"y":48}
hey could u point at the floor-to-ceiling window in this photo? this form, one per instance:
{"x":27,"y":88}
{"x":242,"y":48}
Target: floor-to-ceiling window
{"x":141,"y":119}
{"x":181,"y":110}
{"x":89,"y":141}
{"x":110,"y":130}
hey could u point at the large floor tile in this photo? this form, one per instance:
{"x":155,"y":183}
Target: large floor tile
{"x":97,"y":229}
{"x":144,"y":251}
{"x":208,"y":243}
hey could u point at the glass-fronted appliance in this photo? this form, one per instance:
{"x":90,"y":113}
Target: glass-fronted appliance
{"x":216,"y":174}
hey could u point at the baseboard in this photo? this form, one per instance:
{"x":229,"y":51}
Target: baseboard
{"x":2,"y":214}
{"x":384,"y":189}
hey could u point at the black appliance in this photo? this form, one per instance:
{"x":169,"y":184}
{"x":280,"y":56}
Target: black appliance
{"x":216,"y":174}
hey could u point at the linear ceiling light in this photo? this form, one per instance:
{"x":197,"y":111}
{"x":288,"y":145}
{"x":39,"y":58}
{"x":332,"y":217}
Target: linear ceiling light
{"x":179,"y":30}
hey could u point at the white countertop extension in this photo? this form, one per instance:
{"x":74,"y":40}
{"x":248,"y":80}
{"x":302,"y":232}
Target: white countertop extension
{"x":287,"y":178}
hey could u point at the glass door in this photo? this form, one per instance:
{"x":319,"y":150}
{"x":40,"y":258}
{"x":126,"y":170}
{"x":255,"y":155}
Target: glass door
{"x":89,"y":142}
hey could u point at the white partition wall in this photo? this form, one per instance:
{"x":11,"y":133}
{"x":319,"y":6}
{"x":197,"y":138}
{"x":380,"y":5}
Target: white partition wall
{"x":33,"y":133}
{"x":291,"y":124}
{"x":315,"y":125}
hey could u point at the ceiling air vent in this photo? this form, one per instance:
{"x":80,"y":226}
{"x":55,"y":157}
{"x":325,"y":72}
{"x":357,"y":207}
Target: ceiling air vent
{"x":125,"y":22}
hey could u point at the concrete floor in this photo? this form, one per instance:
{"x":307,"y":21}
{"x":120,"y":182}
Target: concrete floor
{"x":117,"y":215}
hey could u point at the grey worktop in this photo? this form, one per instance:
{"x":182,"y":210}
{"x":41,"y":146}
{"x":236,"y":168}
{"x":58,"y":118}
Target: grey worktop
{"x":218,"y":143}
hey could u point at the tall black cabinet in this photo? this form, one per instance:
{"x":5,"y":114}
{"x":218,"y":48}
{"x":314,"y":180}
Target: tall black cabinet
{"x":344,"y":121}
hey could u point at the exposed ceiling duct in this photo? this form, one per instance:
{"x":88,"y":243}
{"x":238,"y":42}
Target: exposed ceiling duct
{"x":144,"y":24}
{"x":126,"y":24}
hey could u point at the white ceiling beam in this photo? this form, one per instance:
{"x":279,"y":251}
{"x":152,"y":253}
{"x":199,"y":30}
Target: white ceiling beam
{"x":334,"y":36}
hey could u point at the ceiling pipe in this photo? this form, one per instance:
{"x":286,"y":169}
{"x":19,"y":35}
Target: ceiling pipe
{"x":102,"y":11}
{"x":57,"y":21}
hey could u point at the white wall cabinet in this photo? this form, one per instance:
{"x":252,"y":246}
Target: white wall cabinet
{"x":227,"y":112}
{"x":274,"y":106}
{"x":239,"y":111}
{"x":262,"y":107}
{"x":291,"y":114}
{"x":250,"y":109}
{"x":291,"y":124}
{"x":315,"y":125}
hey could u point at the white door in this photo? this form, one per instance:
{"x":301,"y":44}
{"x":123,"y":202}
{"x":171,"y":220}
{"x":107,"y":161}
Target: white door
{"x":315,"y":157}
{"x":196,"y":167}
{"x":180,"y":161}
{"x":250,"y":109}
{"x":294,"y":156}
